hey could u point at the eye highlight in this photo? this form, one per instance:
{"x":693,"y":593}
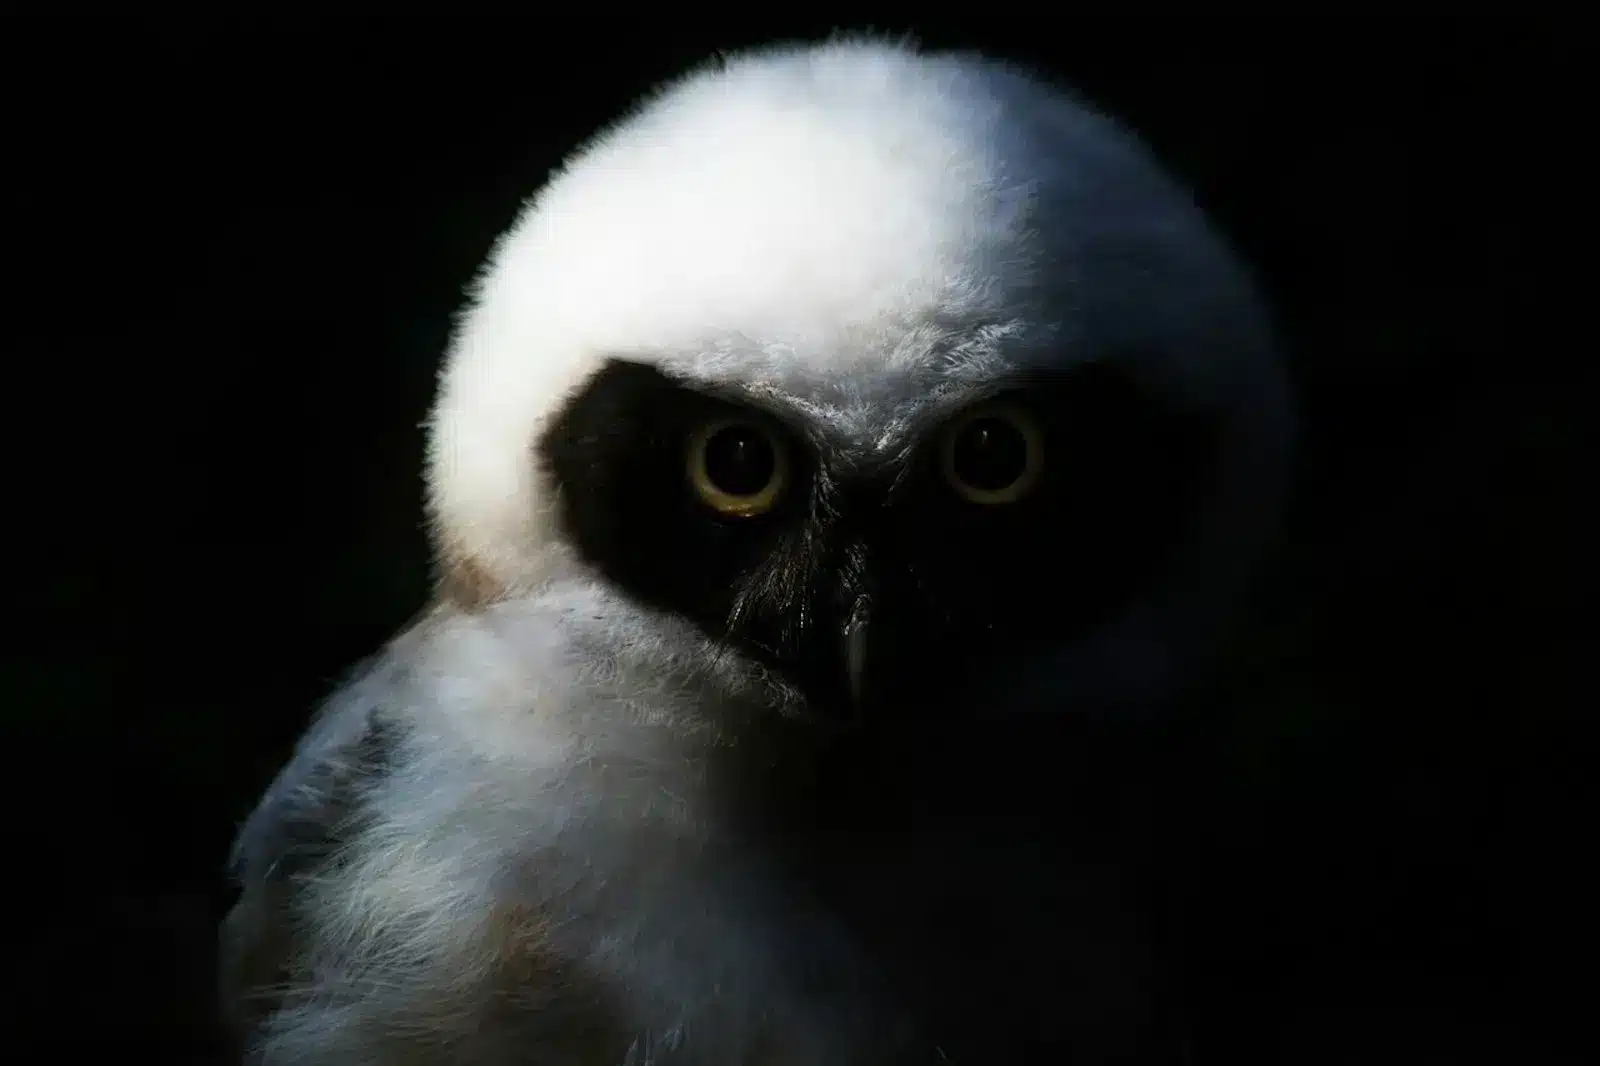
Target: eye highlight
{"x":737,"y":467}
{"x":992,"y":454}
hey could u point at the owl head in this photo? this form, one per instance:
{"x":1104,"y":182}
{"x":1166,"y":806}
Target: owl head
{"x":906,"y":376}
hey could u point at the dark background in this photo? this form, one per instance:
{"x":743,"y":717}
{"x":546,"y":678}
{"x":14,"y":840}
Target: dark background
{"x":235,"y":249}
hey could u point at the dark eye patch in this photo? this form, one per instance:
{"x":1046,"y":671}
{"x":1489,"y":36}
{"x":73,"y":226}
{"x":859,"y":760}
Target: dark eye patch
{"x":616,"y":453}
{"x":1121,"y":480}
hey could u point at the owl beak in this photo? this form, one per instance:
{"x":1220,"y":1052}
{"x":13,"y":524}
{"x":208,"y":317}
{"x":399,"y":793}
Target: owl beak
{"x":855,"y":649}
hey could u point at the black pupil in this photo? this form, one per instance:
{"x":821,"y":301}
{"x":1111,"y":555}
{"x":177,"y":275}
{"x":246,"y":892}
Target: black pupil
{"x":739,"y":460}
{"x":990,"y":454}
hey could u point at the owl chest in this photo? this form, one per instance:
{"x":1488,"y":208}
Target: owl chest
{"x":872,"y":951}
{"x":796,"y":924}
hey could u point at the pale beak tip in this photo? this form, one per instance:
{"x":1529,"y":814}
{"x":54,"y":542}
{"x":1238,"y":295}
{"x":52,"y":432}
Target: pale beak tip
{"x":855,"y":650}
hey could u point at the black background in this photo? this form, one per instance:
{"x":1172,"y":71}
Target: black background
{"x":235,"y":249}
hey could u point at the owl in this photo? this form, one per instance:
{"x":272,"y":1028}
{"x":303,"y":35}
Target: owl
{"x":821,"y":442}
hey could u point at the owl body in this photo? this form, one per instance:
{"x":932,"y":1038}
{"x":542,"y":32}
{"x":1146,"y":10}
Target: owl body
{"x":472,"y":792}
{"x":819,"y":446}
{"x":478,"y":867}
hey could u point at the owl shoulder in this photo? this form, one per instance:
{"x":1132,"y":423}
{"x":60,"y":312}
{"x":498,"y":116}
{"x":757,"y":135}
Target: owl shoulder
{"x":307,"y":818}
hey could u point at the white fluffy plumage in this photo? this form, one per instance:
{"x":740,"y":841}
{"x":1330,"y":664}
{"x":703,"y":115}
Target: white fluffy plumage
{"x":509,"y":839}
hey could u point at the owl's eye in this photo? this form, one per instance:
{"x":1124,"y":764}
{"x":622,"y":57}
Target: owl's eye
{"x":737,"y":467}
{"x":992,"y":454}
